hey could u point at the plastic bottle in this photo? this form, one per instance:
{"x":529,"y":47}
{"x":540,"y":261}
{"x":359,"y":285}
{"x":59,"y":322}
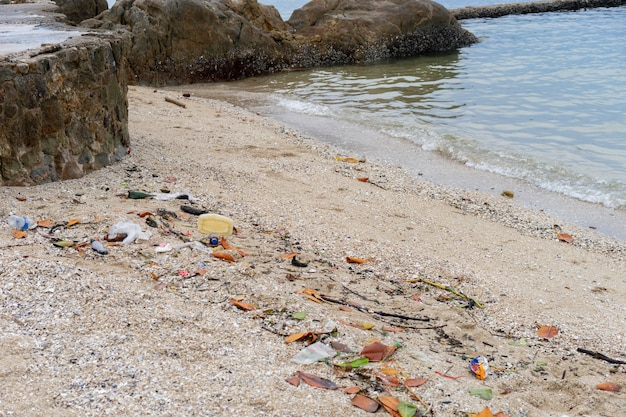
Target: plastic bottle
{"x":215,"y":223}
{"x":214,"y":239}
{"x":21,"y":223}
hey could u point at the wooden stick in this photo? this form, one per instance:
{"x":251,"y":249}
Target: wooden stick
{"x":449,"y":289}
{"x":173,"y":101}
{"x":601,"y":356}
{"x":370,"y":311}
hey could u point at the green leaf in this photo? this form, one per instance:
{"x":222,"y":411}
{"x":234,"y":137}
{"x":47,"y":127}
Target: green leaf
{"x":357,"y":363}
{"x":542,"y":363}
{"x":484,"y":393}
{"x":300,"y":315}
{"x":407,"y":409}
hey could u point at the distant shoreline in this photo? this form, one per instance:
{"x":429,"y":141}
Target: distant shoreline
{"x":500,"y":10}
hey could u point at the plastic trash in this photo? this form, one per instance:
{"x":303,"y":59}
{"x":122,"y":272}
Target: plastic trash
{"x":479,"y":367}
{"x":21,"y":223}
{"x":213,"y":239}
{"x":99,"y":247}
{"x":314,"y":353}
{"x":173,"y":196}
{"x":130,"y":229}
{"x":215,"y":223}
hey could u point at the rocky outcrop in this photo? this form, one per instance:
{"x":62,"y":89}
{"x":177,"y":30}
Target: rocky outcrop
{"x":532,"y":7}
{"x":78,"y":10}
{"x":205,"y":40}
{"x":363,"y":31}
{"x":63,"y":111}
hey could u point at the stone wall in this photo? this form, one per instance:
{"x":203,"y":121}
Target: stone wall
{"x":63,"y":110}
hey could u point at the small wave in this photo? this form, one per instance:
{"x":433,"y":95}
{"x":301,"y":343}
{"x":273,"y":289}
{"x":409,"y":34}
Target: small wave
{"x":303,"y":107}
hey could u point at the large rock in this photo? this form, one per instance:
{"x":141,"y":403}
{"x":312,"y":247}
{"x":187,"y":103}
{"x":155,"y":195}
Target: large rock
{"x":178,"y":41}
{"x":360,"y":31}
{"x":78,"y":10}
{"x":63,"y":111}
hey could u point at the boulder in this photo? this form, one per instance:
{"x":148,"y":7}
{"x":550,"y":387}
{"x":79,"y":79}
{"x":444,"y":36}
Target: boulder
{"x":364,"y":31}
{"x":78,"y":10}
{"x":186,"y":41}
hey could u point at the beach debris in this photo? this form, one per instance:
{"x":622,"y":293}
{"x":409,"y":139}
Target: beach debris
{"x":176,"y":102}
{"x":472,"y":301}
{"x":415,"y":382}
{"x":213,"y":240}
{"x":355,"y":363}
{"x":97,"y":246}
{"x":316,"y":381}
{"x":354,"y":260}
{"x":130,"y":229}
{"x":241,"y":305}
{"x":609,"y":386}
{"x":479,"y":367}
{"x":390,"y":404}
{"x":21,"y":223}
{"x":565,"y":237}
{"x":300,"y":315}
{"x":349,"y":159}
{"x":138,"y":195}
{"x":209,"y":223}
{"x":484,"y":393}
{"x":19,"y":234}
{"x":45,"y":223}
{"x":508,"y":194}
{"x":363,"y":179}
{"x":377,"y":351}
{"x":547,"y":332}
{"x":193,"y":210}
{"x":294,"y":380}
{"x":601,"y":356}
{"x":407,"y":409}
{"x":365,"y":403}
{"x":223,"y":256}
{"x":315,"y":352}
{"x":298,"y":263}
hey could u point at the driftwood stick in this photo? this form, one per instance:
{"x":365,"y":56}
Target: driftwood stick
{"x":601,"y":356}
{"x":174,"y":101}
{"x":370,"y":311}
{"x":449,"y":289}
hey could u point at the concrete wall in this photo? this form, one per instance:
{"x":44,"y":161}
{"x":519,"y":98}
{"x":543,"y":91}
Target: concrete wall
{"x":63,"y":111}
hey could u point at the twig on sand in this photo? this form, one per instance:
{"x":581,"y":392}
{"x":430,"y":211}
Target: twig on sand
{"x":449,"y":289}
{"x":601,"y":356}
{"x":370,"y":311}
{"x":174,"y":101}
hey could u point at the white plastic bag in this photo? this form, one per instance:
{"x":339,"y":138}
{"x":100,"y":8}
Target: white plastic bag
{"x":131,"y":230}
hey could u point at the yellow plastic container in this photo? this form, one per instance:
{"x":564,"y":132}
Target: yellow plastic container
{"x":215,"y":223}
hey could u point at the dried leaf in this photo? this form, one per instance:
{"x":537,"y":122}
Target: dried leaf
{"x":241,"y":305}
{"x":297,"y":336}
{"x":377,"y":351}
{"x":312,"y":295}
{"x":547,"y":332}
{"x":609,"y":386}
{"x":485,"y":413}
{"x":393,"y":329}
{"x":340,"y":347}
{"x":390,"y":371}
{"x":224,"y":256}
{"x":226,"y":245}
{"x":20,"y":198}
{"x":289,"y":255}
{"x":390,"y":404}
{"x":72,"y":222}
{"x":316,"y":381}
{"x":345,"y":308}
{"x":348,"y":159}
{"x":448,"y":375}
{"x":501,"y":414}
{"x":365,"y":403}
{"x":407,"y":409}
{"x":352,"y":390}
{"x":362,"y":326}
{"x":353,"y":260}
{"x":484,"y":393}
{"x":565,"y":237}
{"x":390,"y":381}
{"x":45,"y":223}
{"x":415,"y":382}
{"x":294,"y":380}
{"x":363,"y":179}
{"x":145,"y":214}
{"x":19,"y":234}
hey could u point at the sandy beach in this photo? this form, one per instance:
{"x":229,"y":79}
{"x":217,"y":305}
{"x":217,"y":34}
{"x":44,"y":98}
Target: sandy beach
{"x":165,"y":327}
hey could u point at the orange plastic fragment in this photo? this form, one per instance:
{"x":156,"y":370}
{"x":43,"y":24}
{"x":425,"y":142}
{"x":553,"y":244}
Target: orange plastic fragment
{"x":224,"y":256}
{"x":363,"y":179}
{"x":609,"y":386}
{"x":243,"y":306}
